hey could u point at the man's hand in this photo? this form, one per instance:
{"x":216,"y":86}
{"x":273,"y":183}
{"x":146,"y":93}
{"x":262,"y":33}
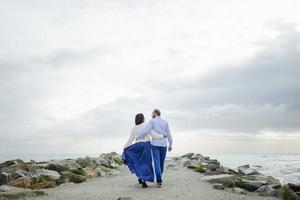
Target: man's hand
{"x":170,"y":149}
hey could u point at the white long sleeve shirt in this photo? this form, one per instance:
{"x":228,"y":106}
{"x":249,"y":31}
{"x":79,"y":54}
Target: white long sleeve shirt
{"x":160,"y":126}
{"x":146,"y":138}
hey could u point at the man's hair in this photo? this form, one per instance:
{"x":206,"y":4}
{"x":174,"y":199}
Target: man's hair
{"x":139,"y":118}
{"x":157,"y":112}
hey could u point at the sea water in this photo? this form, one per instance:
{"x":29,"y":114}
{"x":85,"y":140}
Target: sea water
{"x":285,"y":167}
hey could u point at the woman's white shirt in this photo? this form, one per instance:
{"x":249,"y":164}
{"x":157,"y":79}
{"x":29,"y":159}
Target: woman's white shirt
{"x":146,"y":138}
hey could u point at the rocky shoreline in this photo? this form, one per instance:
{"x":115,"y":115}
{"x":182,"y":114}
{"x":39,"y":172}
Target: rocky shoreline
{"x":26,"y":179}
{"x":19,"y":179}
{"x":241,"y":181}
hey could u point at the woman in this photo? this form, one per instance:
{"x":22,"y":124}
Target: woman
{"x":138,"y":156}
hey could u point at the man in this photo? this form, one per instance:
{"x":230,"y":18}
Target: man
{"x":158,"y":146}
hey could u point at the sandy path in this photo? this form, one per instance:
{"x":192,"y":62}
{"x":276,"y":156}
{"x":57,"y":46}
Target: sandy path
{"x":179,"y":184}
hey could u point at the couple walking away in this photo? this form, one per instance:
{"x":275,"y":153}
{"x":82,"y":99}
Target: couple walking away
{"x":151,"y":141}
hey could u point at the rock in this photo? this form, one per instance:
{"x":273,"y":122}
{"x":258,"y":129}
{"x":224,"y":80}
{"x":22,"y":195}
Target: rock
{"x":238,"y":190}
{"x":56,"y":167}
{"x":65,"y":165}
{"x":13,"y":165}
{"x":111,"y":160}
{"x":246,"y":170}
{"x":124,"y":198}
{"x":105,"y":169}
{"x":217,"y":172}
{"x":212,"y":167}
{"x":230,"y":171}
{"x":198,"y":157}
{"x":49,"y":174}
{"x":13,"y":193}
{"x":287,"y":193}
{"x":90,"y":172}
{"x":252,"y":185}
{"x":48,"y":184}
{"x":23,"y":182}
{"x":72,"y":177}
{"x":206,"y":158}
{"x":226,"y":179}
{"x":100,"y":171}
{"x":88,"y":162}
{"x":188,"y":155}
{"x":21,"y":173}
{"x":294,"y":187}
{"x":266,"y":190}
{"x":218,"y":186}
{"x":268,"y":179}
{"x":4,"y":178}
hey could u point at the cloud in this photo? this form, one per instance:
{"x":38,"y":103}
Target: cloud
{"x":84,"y":73}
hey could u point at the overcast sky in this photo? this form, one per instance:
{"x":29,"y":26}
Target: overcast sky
{"x":225,"y":74}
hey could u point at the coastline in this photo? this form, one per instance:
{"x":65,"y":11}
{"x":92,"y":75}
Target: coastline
{"x":64,"y":175}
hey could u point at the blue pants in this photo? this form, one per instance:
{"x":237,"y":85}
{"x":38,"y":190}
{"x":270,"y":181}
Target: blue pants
{"x":159,"y":156}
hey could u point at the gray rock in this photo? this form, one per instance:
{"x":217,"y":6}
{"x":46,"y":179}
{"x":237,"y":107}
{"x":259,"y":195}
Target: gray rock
{"x":252,"y":185}
{"x":88,"y":162}
{"x":238,"y":190}
{"x":287,"y":193}
{"x":65,"y":165}
{"x":212,"y":167}
{"x":111,"y":160}
{"x":246,"y":170}
{"x":294,"y":187}
{"x":266,"y":190}
{"x":268,"y":179}
{"x":72,"y":177}
{"x":227,"y":180}
{"x":100,"y":171}
{"x":50,"y":174}
{"x":218,"y":186}
{"x":21,"y":173}
{"x":10,"y":193}
{"x":13,"y":165}
{"x":188,"y":155}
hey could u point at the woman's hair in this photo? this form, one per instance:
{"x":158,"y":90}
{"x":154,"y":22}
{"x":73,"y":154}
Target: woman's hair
{"x":139,"y":118}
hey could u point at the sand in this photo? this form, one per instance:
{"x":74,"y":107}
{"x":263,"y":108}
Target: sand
{"x":179,"y":183}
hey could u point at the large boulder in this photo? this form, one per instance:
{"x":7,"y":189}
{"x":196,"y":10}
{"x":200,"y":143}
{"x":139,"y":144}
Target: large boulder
{"x":90,"y":172}
{"x":13,"y":165}
{"x":268,"y":179}
{"x":65,"y":165}
{"x":44,"y":185}
{"x":227,"y":180}
{"x":287,"y":193}
{"x":48,"y":174}
{"x":294,"y":187}
{"x":246,"y":170}
{"x":88,"y":162}
{"x":266,"y":190}
{"x":110,"y":160}
{"x":252,"y":185}
{"x":14,"y":193}
{"x":72,"y":177}
{"x":23,"y":182}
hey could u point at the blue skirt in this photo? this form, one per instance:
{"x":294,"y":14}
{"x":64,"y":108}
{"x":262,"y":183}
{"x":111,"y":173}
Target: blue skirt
{"x":138,"y":158}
